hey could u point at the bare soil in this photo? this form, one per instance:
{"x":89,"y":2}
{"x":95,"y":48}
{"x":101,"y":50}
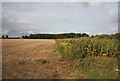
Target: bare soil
{"x":34,"y":59}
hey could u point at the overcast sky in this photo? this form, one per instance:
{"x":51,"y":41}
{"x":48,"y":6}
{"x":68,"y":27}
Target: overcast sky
{"x":24,"y":18}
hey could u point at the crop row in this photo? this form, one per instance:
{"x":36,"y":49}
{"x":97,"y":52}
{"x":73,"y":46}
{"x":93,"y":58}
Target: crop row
{"x":82,"y":47}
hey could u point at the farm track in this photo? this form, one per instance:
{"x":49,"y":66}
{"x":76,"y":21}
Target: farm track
{"x":19,"y":60}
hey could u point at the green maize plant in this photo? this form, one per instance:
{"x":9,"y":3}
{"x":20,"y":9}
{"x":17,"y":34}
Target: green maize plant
{"x":85,"y":46}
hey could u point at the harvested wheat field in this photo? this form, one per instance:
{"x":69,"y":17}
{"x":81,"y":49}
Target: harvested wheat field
{"x":33,"y":59}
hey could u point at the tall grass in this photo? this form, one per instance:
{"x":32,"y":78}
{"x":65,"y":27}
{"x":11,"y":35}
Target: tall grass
{"x":82,"y":47}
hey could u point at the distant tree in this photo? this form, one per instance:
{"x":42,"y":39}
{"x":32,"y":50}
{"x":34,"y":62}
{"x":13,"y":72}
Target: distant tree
{"x":92,"y":36}
{"x":85,"y":35}
{"x":23,"y":37}
{"x":79,"y":34}
{"x":72,"y":35}
{"x":96,"y":35}
{"x":76,"y":36}
{"x":3,"y":37}
{"x":26,"y":36}
{"x":6,"y":36}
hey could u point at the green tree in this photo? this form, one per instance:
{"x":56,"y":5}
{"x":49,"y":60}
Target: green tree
{"x":26,"y":36}
{"x":3,"y":37}
{"x":76,"y":36}
{"x":85,"y":35}
{"x":6,"y":36}
{"x":92,"y":36}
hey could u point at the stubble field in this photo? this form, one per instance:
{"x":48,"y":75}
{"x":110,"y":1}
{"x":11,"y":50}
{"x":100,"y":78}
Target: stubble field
{"x":33,"y":59}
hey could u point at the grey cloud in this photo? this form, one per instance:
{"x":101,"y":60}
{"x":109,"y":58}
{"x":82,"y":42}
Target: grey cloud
{"x":54,"y":17}
{"x":18,"y":7}
{"x":13,"y":25}
{"x":113,"y":15}
{"x":84,"y":4}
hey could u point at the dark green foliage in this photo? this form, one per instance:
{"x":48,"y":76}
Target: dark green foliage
{"x":3,"y":37}
{"x":85,"y":35}
{"x":69,"y":35}
{"x":83,"y":56}
{"x":25,"y":37}
{"x":55,"y":36}
{"x":112,"y":36}
{"x":86,"y":46}
{"x":6,"y":36}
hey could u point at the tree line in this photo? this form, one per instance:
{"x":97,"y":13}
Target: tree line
{"x":69,"y":35}
{"x":112,"y":36}
{"x":55,"y":36}
{"x":62,"y":36}
{"x":5,"y":37}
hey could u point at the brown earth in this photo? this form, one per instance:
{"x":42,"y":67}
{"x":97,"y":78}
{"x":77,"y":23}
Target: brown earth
{"x":34,"y":59}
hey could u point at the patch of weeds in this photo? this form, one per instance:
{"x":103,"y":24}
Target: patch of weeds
{"x":46,"y":52}
{"x":54,"y":50}
{"x":97,"y":68}
{"x":51,"y":55}
{"x":76,"y":75}
{"x":54,"y":58}
{"x":41,"y":61}
{"x":22,"y":62}
{"x":47,"y":48}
